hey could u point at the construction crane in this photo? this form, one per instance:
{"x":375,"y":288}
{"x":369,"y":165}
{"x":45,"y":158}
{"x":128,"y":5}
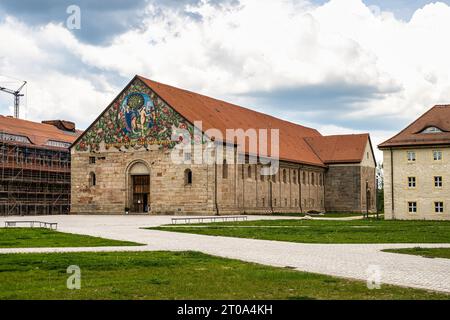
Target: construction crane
{"x":17,"y":95}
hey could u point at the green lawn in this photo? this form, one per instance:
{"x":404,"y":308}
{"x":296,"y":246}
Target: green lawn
{"x":424,"y":252}
{"x":321,"y":231}
{"x":36,"y":237}
{"x":175,"y":275}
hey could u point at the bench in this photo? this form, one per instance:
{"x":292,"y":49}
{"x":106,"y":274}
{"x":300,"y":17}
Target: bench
{"x":32,"y":224}
{"x":209,"y":219}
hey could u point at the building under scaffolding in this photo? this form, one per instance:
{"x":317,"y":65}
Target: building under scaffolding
{"x":35,"y":166}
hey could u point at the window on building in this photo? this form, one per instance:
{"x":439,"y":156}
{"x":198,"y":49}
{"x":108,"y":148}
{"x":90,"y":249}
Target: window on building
{"x":412,"y":207}
{"x":187,"y":157}
{"x":312,"y":178}
{"x":275,"y":202}
{"x":284,"y":176}
{"x":91,"y":160}
{"x":188,"y":177}
{"x":263,"y":202}
{"x":411,"y":156}
{"x":285,"y":202}
{"x":438,"y":207}
{"x":274,"y":178}
{"x":437,"y":155}
{"x":249,"y":172}
{"x":225,"y":170}
{"x":304,"y":177}
{"x":92,"y":179}
{"x":59,"y":144}
{"x":431,"y":130}
{"x":411,"y":182}
{"x":438,"y":182}
{"x":294,"y":177}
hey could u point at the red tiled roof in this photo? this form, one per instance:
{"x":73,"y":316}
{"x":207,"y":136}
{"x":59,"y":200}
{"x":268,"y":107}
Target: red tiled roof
{"x":222,"y":115}
{"x":438,"y":116}
{"x":37,"y":133}
{"x":339,"y":148}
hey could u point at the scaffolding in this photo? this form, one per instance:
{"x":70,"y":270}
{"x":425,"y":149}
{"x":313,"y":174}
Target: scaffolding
{"x":33,"y":180}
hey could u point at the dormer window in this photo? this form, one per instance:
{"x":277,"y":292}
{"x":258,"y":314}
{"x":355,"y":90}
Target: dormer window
{"x":431,"y":130}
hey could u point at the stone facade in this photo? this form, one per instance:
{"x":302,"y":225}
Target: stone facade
{"x":237,"y":191}
{"x":397,"y":193}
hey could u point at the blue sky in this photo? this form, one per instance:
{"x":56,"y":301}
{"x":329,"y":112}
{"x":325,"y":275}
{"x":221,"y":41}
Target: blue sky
{"x":341,"y":66}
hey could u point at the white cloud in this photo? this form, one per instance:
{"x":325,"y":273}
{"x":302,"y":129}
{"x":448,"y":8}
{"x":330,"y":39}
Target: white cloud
{"x":259,"y":45}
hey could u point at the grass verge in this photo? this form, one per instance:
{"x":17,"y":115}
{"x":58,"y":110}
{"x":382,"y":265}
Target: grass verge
{"x":39,"y":238}
{"x":324,"y":231}
{"x":424,"y":252}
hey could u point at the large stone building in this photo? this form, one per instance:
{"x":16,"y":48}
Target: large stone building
{"x":142,"y":155}
{"x":417,"y":168}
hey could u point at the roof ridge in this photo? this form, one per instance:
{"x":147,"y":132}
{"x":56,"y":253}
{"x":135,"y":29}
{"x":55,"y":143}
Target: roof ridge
{"x":233,"y":104}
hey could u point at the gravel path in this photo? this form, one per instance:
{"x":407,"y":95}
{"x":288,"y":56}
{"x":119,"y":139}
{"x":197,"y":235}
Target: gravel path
{"x":356,"y":261}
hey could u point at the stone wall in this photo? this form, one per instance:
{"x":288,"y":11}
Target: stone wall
{"x":345,"y":188}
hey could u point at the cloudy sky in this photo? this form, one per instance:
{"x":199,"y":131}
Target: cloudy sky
{"x":341,"y":66}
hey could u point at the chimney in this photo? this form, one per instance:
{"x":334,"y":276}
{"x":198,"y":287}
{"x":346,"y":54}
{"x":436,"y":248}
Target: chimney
{"x":61,"y":124}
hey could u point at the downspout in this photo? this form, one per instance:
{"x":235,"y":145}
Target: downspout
{"x":215,"y":188}
{"x":392,"y":182}
{"x":270,"y":195}
{"x":299,"y":179}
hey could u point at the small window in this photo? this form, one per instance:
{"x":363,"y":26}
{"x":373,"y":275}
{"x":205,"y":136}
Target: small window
{"x":312,"y":178}
{"x":284,"y":176}
{"x":188,"y":177}
{"x":92,"y":179}
{"x":225,"y":170}
{"x":438,"y":207}
{"x":274,"y":178}
{"x":304,"y":177}
{"x":437,"y":155}
{"x":285,"y":202}
{"x":411,"y":156}
{"x":187,"y":156}
{"x":412,"y":207}
{"x":249,"y":172}
{"x":263,"y":202}
{"x":432,"y":130}
{"x":438,"y":182}
{"x":91,"y":160}
{"x":411,"y":182}
{"x":275,"y":202}
{"x":294,"y":177}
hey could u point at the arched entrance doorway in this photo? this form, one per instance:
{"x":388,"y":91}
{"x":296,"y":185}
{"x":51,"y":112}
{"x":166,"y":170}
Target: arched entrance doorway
{"x":139,"y":187}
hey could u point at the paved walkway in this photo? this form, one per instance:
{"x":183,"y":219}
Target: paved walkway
{"x":343,"y":260}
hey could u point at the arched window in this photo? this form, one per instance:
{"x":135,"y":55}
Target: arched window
{"x":187,"y":177}
{"x":92,"y":179}
{"x":284,"y":176}
{"x":225,"y":169}
{"x":249,"y":172}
